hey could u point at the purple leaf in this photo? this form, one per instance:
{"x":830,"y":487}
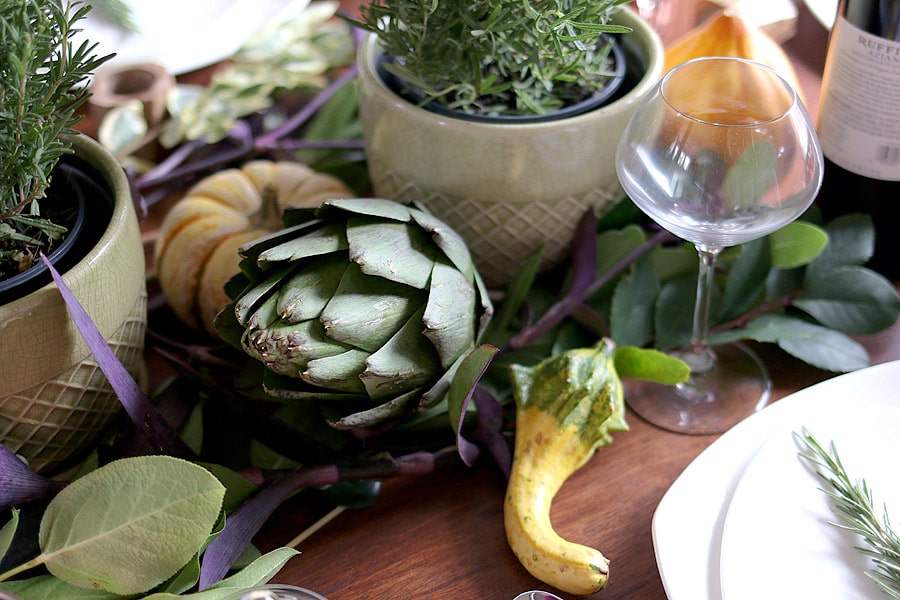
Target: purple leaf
{"x":139,"y":408}
{"x":488,"y":432}
{"x":246,"y":521}
{"x":20,"y":484}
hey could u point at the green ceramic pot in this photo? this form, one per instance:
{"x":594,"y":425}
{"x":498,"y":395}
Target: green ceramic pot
{"x":54,"y":401}
{"x":509,"y":189}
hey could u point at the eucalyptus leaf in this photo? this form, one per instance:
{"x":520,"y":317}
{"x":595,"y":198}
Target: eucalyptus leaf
{"x":850,"y":299}
{"x":131,"y":524}
{"x":796,"y":244}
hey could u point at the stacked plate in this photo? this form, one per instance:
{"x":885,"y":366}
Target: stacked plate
{"x":748,"y":518}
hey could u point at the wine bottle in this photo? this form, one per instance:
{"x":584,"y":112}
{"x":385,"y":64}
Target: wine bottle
{"x":859,"y":122}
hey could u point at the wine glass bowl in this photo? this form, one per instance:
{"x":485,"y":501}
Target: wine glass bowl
{"x":722,"y":152}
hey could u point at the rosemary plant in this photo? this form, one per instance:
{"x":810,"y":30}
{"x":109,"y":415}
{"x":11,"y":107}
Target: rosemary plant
{"x":852,"y":503}
{"x":497,"y":56}
{"x":42,"y":76}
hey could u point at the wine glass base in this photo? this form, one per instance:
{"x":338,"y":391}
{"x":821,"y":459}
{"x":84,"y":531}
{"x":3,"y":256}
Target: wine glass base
{"x":711,"y":402}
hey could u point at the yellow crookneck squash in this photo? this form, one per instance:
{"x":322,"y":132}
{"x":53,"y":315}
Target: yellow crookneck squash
{"x":566,"y":407}
{"x":196,"y":250}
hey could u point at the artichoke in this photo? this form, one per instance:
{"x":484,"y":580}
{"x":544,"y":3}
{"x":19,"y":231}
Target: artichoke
{"x":365,"y":306}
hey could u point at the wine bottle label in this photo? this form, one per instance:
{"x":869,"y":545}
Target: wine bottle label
{"x":859,"y":111}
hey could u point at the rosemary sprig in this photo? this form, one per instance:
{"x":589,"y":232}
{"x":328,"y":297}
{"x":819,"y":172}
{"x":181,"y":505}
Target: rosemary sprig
{"x":852,"y":503}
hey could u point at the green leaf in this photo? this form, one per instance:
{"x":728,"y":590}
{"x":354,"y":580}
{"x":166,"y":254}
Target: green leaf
{"x":797,"y":244}
{"x":466,"y":377}
{"x":258,"y":572}
{"x":851,"y":242}
{"x":650,"y":365}
{"x":48,"y":587}
{"x":123,"y":127}
{"x":850,"y":299}
{"x":820,"y":347}
{"x":8,"y":532}
{"x":612,"y":246}
{"x":746,"y":279}
{"x":631,"y":315}
{"x":674,"y":316}
{"x":752,"y":174}
{"x":151,"y":511}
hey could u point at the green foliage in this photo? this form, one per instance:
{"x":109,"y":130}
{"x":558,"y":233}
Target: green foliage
{"x":133,"y":526}
{"x":41,"y":87}
{"x":803,"y":288}
{"x":497,"y":56}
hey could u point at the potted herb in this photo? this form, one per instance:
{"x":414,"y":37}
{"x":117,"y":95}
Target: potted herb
{"x":475,"y":109}
{"x":63,"y":196}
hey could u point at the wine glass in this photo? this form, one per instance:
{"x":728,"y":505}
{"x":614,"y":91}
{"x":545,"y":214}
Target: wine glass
{"x":722,"y":152}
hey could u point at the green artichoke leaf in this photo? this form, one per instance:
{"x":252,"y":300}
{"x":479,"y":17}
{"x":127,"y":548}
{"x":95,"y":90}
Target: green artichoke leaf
{"x":366,"y":312}
{"x":330,"y":237}
{"x":252,"y":249}
{"x":373,"y":207}
{"x":445,"y":238}
{"x":289,"y":389}
{"x":266,"y":313}
{"x":403,"y":363}
{"x":395,"y":251}
{"x":287,"y":348}
{"x":250,"y":301}
{"x":306,"y":293}
{"x":338,"y":372}
{"x":398,"y":406}
{"x":450,"y":313}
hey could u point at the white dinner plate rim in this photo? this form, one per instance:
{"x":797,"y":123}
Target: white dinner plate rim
{"x":797,"y":511}
{"x":687,"y":524}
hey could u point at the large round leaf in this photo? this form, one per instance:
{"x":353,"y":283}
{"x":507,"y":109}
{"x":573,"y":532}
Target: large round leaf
{"x":131,"y":524}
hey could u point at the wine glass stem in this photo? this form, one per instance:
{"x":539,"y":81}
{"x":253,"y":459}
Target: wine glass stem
{"x":703,"y":358}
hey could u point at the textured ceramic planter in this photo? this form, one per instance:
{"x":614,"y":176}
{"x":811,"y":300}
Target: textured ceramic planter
{"x":508,"y":189}
{"x":54,"y":400}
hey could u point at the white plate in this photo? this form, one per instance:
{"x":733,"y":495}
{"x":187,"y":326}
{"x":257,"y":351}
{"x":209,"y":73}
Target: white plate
{"x":180,"y":35}
{"x":823,"y":10}
{"x":687,"y":524}
{"x":777,"y":527}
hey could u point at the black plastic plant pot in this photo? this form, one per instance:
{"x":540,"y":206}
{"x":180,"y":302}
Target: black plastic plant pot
{"x":75,"y":183}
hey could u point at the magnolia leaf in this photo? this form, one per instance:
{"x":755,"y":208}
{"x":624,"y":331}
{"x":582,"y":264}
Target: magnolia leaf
{"x":123,"y":127}
{"x":850,"y":299}
{"x":631,"y":314}
{"x":797,"y":244}
{"x":650,"y":365}
{"x":820,"y":347}
{"x":154,"y":512}
{"x":746,"y":278}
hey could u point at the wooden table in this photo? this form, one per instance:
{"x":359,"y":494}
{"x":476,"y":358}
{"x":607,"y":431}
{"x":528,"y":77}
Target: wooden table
{"x":441,"y":536}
